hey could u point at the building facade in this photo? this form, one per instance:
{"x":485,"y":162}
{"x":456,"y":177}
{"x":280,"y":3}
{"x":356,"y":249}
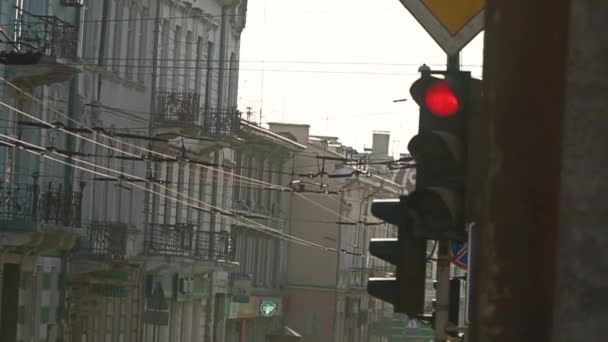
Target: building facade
{"x":259,"y":301}
{"x":131,"y":246}
{"x":327,"y":293}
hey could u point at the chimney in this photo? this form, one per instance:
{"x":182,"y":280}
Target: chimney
{"x":380,"y":145}
{"x":300,"y":132}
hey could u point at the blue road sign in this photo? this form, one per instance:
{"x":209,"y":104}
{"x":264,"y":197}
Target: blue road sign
{"x":460,"y":254}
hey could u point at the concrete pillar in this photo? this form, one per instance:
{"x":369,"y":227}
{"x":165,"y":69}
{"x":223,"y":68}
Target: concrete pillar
{"x":542,"y":242}
{"x":581,"y":292}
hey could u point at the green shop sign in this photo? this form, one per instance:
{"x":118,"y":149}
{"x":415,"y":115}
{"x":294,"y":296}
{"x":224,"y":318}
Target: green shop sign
{"x":268,"y":308}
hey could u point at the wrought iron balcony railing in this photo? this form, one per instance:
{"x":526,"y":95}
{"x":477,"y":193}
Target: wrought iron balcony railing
{"x":374,"y":271}
{"x":178,"y":106}
{"x":37,"y":35}
{"x":31,"y":203}
{"x":105,"y":240}
{"x":187,"y":241}
{"x":221,"y":122}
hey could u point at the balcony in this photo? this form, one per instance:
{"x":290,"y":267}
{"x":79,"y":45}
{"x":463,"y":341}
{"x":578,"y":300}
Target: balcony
{"x":41,"y":47}
{"x":180,"y":113}
{"x":34,"y":216}
{"x":105,"y":241}
{"x":184,"y":240}
{"x":103,"y":247}
{"x":177,"y":112}
{"x":221,"y":122}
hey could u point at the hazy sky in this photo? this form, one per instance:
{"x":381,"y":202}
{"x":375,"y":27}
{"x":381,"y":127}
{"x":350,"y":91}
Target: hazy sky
{"x":338,"y":65}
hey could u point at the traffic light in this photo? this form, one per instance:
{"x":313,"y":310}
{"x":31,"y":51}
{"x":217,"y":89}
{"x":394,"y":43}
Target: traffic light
{"x":440,"y":152}
{"x":407,"y":252}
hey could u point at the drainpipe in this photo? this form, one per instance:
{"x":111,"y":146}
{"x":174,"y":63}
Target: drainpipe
{"x":147,"y":197}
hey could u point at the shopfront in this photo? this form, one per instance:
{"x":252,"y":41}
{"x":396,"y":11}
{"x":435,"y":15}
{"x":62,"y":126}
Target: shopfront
{"x":254,"y":320}
{"x":176,"y":307}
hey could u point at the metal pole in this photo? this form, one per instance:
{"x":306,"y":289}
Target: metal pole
{"x":443,"y":261}
{"x":443,"y":291}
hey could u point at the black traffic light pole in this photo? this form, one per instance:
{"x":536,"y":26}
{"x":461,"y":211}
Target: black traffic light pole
{"x":443,"y":260}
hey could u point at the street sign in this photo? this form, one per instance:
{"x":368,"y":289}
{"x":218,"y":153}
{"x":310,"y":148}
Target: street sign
{"x":451,"y":23}
{"x":459,"y":253}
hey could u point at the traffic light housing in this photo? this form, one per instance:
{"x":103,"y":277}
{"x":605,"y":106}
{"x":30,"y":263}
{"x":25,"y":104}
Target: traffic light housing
{"x":437,"y":206}
{"x":407,"y":252}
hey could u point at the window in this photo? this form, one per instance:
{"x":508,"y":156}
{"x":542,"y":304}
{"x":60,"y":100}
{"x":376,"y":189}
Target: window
{"x":191,"y":191}
{"x":188,"y":62}
{"x":199,"y":65}
{"x":86,"y":32}
{"x":268,"y":194}
{"x":169,"y":185}
{"x":132,"y":27}
{"x":164,"y":55}
{"x":236,"y":184}
{"x":260,"y":176}
{"x":117,"y":49}
{"x":177,"y":71}
{"x":208,"y":75}
{"x":202,"y":186}
{"x":143,"y":44}
{"x":181,"y":180}
{"x":232,"y":80}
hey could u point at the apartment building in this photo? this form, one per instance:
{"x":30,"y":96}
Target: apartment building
{"x":327,"y":293}
{"x":40,"y":201}
{"x":148,"y":90}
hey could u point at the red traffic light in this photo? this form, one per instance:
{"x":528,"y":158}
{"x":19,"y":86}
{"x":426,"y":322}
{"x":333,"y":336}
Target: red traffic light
{"x":441,"y":100}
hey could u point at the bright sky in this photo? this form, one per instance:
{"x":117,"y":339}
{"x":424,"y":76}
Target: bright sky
{"x":338,"y":65}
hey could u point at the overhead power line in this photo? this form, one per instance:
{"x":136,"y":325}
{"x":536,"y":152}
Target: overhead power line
{"x":43,"y":152}
{"x":255,"y":181}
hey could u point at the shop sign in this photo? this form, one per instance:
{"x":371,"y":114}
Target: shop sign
{"x":190,"y":287}
{"x":241,"y":286}
{"x":220,"y":282}
{"x":268,"y":308}
{"x":243,"y":310}
{"x":256,"y":307}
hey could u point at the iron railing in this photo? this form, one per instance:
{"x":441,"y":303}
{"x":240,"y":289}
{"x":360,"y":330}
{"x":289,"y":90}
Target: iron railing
{"x":187,"y":241}
{"x":221,"y":122}
{"x":31,"y":203}
{"x":105,"y":240}
{"x":178,"y":106}
{"x":45,"y":35}
{"x":374,"y":271}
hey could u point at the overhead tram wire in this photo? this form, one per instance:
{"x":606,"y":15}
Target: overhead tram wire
{"x":41,"y":151}
{"x":158,"y":181}
{"x":50,"y":125}
{"x":213,"y":68}
{"x":277,"y":61}
{"x":141,"y":148}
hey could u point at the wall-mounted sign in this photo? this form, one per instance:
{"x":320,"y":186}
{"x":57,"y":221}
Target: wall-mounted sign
{"x":256,"y":307}
{"x":241,"y":286}
{"x":268,"y":308}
